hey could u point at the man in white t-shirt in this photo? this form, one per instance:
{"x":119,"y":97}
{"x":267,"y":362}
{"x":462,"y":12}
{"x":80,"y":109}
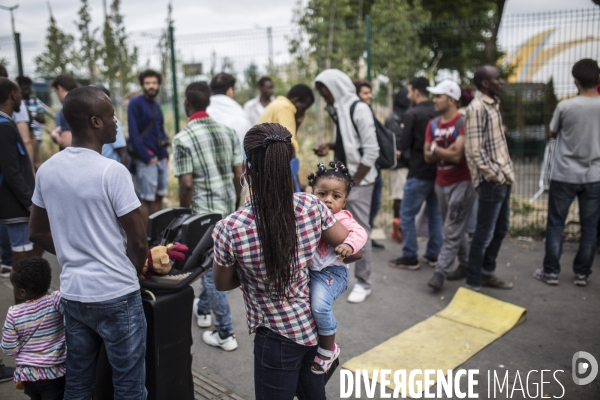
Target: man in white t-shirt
{"x":224,"y":109}
{"x":255,"y":107}
{"x":94,"y":226}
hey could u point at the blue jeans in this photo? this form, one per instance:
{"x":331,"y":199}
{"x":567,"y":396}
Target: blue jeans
{"x":493,"y":221}
{"x":417,"y":191}
{"x":282,"y":369}
{"x":119,"y":323}
{"x":6,"y":247}
{"x":560,"y":198}
{"x":213,"y":300}
{"x":152,"y":180}
{"x":376,"y":199}
{"x":326,"y":286}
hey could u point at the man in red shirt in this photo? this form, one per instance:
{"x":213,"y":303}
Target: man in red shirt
{"x":445,"y":145}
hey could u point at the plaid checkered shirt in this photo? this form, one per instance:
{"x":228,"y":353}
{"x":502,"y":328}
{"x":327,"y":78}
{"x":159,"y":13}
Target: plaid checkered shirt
{"x":485,"y":145}
{"x":208,"y":151}
{"x":236,"y":239}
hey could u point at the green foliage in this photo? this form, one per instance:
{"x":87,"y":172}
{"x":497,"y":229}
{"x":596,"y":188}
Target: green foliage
{"x":58,"y":55}
{"x":521,"y":207}
{"x":164,"y":48}
{"x":533,"y":229}
{"x":461,"y":33}
{"x":119,"y":60}
{"x":335,"y":32}
{"x":90,"y":49}
{"x":251,"y":76}
{"x":396,"y":48}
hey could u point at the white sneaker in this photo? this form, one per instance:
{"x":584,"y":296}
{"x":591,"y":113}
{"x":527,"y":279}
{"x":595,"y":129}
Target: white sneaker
{"x":204,"y":321}
{"x":358,"y":294}
{"x":5,"y":271}
{"x":213,"y":339}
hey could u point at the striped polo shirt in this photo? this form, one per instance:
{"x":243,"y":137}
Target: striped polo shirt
{"x":34,"y":333}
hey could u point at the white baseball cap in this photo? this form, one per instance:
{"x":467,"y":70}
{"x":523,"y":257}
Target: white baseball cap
{"x":447,"y":87}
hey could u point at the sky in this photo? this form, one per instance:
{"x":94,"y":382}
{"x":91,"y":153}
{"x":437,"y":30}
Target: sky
{"x":197,"y":16}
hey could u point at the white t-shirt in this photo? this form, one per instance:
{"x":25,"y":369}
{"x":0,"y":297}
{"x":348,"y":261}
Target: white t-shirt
{"x":577,"y":151}
{"x":226,"y":111}
{"x":254,"y":109}
{"x":84,"y":195}
{"x":22,"y":115}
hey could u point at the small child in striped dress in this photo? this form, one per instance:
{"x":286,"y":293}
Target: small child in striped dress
{"x":34,"y":331}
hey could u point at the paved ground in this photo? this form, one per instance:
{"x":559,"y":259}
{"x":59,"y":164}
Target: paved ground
{"x":560,"y":321}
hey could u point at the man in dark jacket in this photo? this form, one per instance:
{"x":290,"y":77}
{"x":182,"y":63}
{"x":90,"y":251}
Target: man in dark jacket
{"x":398,"y":175}
{"x":149,"y":141}
{"x":16,"y":176}
{"x":420,"y":185}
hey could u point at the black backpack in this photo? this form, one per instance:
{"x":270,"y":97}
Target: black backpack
{"x":385,"y":138}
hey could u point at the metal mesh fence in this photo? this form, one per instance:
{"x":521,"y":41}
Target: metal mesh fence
{"x":537,"y":52}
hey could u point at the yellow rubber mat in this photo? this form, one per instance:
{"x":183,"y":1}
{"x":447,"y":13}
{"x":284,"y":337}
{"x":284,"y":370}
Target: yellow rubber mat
{"x":444,"y":341}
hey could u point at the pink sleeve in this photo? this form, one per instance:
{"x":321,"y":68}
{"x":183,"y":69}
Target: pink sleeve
{"x":357,"y":236}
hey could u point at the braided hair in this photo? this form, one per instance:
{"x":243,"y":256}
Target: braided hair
{"x":338,"y":171}
{"x":269,"y":151}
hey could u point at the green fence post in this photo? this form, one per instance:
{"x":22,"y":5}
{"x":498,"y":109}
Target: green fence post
{"x":368,"y":29}
{"x":18,"y":51}
{"x":174,"y":78}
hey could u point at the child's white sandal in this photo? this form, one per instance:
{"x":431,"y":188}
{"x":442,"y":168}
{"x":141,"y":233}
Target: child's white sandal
{"x":325,"y":365}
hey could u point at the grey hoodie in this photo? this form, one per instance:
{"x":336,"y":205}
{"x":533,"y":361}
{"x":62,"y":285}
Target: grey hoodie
{"x":365,"y":140}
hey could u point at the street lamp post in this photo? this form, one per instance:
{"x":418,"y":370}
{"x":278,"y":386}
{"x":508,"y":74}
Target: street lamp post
{"x":16,"y":37}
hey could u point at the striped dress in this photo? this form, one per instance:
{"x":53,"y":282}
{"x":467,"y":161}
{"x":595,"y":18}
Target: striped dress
{"x":34,"y":333}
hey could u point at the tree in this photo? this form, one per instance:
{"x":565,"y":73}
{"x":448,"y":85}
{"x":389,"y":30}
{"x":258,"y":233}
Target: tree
{"x":164,"y":48}
{"x":463,"y":34}
{"x":56,"y":58}
{"x":335,"y":32}
{"x":90,"y":50}
{"x":396,"y":48}
{"x":109,"y":54}
{"x":251,"y":76}
{"x":119,"y":59}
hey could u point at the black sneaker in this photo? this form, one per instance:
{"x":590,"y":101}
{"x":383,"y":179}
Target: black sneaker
{"x":377,"y":245}
{"x":6,"y":373}
{"x":550,"y":279}
{"x":431,"y":261}
{"x":581,"y":280}
{"x":494,"y":282}
{"x":458,"y":273}
{"x":405,"y":263}
{"x":437,"y":281}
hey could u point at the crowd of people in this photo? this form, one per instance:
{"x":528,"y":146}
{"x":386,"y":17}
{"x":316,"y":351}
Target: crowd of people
{"x":286,"y":244}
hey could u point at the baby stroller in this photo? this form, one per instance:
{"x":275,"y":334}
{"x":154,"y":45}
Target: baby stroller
{"x":167,"y":302}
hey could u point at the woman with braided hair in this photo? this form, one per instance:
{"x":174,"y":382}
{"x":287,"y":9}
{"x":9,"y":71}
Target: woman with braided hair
{"x":329,"y":271}
{"x":265,"y":248}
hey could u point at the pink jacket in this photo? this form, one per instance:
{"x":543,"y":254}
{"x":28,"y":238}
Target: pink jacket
{"x":357,"y":238}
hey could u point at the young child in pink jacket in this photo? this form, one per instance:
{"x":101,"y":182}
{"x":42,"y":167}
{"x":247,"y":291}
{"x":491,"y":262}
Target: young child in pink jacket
{"x":329,"y":274}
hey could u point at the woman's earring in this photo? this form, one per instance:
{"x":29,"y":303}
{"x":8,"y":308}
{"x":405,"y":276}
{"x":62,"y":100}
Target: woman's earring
{"x":243,"y":180}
